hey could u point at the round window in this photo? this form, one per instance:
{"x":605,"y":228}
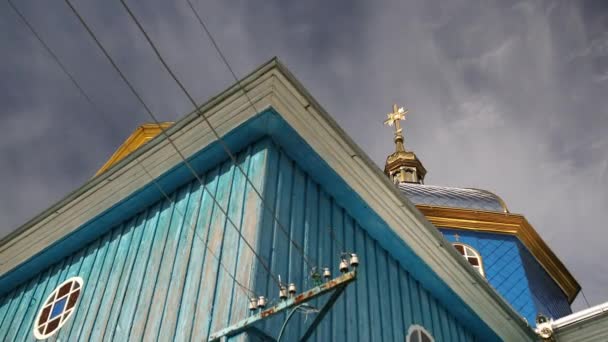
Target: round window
{"x":57,"y":308}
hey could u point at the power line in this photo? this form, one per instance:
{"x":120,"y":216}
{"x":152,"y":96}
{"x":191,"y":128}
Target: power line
{"x":217,"y":48}
{"x":245,"y":289}
{"x":238,"y":82}
{"x":332,"y":233}
{"x":151,"y":114}
{"x":235,"y":162}
{"x":220,"y":140}
{"x":585,"y":298}
{"x":50,"y":51}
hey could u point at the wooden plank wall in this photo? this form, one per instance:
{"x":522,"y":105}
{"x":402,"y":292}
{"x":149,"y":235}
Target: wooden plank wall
{"x":384,"y":301}
{"x":151,"y":278}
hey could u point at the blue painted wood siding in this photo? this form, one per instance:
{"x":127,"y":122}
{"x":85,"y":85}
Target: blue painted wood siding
{"x":515,"y":274}
{"x":151,"y":277}
{"x":383,"y":302}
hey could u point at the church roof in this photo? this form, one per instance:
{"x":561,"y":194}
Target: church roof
{"x":297,"y":123}
{"x":442,"y":196}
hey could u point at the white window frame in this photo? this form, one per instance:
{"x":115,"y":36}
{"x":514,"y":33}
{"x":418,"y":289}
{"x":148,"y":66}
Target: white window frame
{"x":470,"y":252}
{"x":41,"y":336}
{"x":415,"y":328}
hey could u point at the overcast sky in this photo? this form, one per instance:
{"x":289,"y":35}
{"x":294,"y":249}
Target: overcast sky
{"x":507,"y":96}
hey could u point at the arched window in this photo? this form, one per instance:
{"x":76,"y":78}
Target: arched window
{"x":57,"y":308}
{"x":417,"y":333}
{"x":471,"y":255}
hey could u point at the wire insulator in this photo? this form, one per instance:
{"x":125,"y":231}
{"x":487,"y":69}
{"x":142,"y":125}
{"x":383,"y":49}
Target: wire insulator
{"x":326,"y":273}
{"x":343,"y":266}
{"x":253,"y":304}
{"x":261,"y":302}
{"x":354,"y":260}
{"x":291,"y":288}
{"x":282,"y":292}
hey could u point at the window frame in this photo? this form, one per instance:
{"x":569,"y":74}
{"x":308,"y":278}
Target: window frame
{"x":479,"y":268}
{"x":416,"y":328}
{"x":50,"y":302}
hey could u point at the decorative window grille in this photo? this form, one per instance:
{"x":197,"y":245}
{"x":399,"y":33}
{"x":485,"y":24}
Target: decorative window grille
{"x":471,"y":255}
{"x":417,"y":333}
{"x":57,"y":308}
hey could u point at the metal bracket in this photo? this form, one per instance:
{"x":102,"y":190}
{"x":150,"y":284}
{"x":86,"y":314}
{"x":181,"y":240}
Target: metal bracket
{"x":337,"y":285}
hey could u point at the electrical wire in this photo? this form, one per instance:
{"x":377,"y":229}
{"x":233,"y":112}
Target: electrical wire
{"x":343,"y":255}
{"x":266,"y":206}
{"x":151,"y":114}
{"x":585,"y":298}
{"x":88,"y":98}
{"x":301,"y":308}
{"x":284,"y":325}
{"x":245,"y":289}
{"x":49,"y":50}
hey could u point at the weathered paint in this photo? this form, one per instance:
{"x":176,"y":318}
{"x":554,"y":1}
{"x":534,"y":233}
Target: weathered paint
{"x":334,"y":286}
{"x":384,"y":300}
{"x":151,"y":277}
{"x":512,"y":270}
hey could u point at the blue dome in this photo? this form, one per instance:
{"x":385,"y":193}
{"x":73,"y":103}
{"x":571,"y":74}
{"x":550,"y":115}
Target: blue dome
{"x":441,"y":196}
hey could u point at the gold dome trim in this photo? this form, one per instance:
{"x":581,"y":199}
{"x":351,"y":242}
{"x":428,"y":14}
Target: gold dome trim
{"x":511,"y":224}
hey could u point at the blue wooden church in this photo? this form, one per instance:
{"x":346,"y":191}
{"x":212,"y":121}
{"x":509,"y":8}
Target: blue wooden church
{"x":257,"y":218}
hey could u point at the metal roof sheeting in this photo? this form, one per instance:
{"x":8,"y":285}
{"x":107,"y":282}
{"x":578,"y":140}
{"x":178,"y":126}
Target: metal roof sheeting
{"x":441,"y":196}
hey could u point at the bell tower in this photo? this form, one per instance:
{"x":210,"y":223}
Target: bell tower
{"x":402,"y":166}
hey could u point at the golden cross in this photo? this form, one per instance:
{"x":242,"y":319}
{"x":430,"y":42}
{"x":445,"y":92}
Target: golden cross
{"x":397,"y":115}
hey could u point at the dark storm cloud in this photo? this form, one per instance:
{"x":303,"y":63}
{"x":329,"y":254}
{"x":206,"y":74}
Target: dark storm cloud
{"x":507,"y":96}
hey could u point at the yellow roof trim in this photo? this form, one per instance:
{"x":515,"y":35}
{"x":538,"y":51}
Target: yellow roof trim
{"x":506,"y":223}
{"x":139,"y":137}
